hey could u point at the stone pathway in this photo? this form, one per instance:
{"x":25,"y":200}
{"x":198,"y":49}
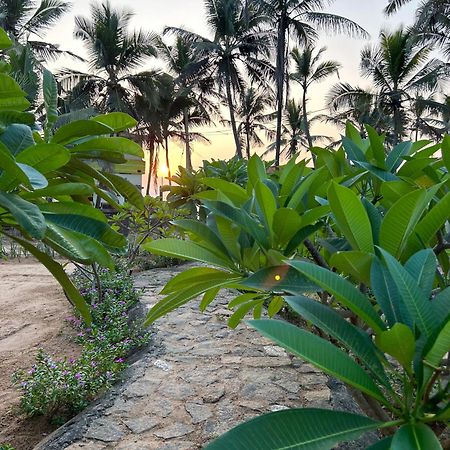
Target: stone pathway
{"x":199,"y":381}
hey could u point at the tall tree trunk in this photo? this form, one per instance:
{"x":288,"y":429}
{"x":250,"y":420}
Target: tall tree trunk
{"x":169,"y":172}
{"x":150,"y":166}
{"x":280,"y":79}
{"x":307,"y":130}
{"x":232,"y":116}
{"x":397,"y":116}
{"x":187,"y":139}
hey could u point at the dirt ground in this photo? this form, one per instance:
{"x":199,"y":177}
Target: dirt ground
{"x":32,"y":312}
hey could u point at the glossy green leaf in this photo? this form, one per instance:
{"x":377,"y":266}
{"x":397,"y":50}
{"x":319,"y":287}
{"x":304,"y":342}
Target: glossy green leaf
{"x":329,"y":321}
{"x":351,"y":217}
{"x":305,"y":188}
{"x":412,"y":297}
{"x":384,"y":444}
{"x":343,"y":290}
{"x":113,"y":144}
{"x":12,"y":97}
{"x":256,"y":170}
{"x":354,"y":152}
{"x":17,"y":137}
{"x":280,"y":279}
{"x":319,"y":353}
{"x":395,"y":158}
{"x":35,"y":178}
{"x":398,"y":342}
{"x":44,"y":157}
{"x":27,"y":215}
{"x":275,"y":306}
{"x":50,"y":89}
{"x":189,"y":250}
{"x":117,"y":121}
{"x":63,"y":189}
{"x":208,"y":298}
{"x":126,"y":189}
{"x":233,"y":191}
{"x":320,"y":429}
{"x":400,"y":221}
{"x":5,"y":41}
{"x":377,"y":146}
{"x":356,"y":264}
{"x":235,"y":319}
{"x":79,"y":129}
{"x":10,"y":117}
{"x":415,"y":437}
{"x":267,"y":204}
{"x":286,"y":223}
{"x":422,"y":267}
{"x":440,"y":346}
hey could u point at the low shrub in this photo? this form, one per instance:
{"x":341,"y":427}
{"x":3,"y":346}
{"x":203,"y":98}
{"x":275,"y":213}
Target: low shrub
{"x":60,"y":389}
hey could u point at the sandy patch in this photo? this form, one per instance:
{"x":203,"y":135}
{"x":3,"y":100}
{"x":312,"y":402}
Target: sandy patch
{"x":32,"y":312}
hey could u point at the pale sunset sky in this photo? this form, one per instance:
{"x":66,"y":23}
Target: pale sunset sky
{"x":153,"y":15}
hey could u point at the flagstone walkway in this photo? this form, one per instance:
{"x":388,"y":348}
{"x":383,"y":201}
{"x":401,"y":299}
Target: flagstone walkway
{"x":198,"y":380}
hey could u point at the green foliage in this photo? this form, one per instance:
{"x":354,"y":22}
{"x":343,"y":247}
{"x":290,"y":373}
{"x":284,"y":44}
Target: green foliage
{"x":60,"y":389}
{"x":47,"y":182}
{"x":375,"y":227}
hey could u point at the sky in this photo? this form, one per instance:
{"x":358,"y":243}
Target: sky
{"x":154,"y":15}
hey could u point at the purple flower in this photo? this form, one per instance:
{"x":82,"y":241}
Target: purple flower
{"x":78,"y":375}
{"x":119,"y":360}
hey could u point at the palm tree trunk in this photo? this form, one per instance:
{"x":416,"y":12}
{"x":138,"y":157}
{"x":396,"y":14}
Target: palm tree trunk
{"x":397,"y":125}
{"x":232,"y":116}
{"x":150,"y":166}
{"x":187,"y":140}
{"x":307,"y":130}
{"x":247,"y":132}
{"x":280,"y":75}
{"x":169,"y":173}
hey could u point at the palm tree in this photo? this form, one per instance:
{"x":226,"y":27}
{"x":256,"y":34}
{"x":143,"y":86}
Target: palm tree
{"x":400,"y":68}
{"x":113,"y":52}
{"x":25,"y":19}
{"x":239,"y":49}
{"x":253,"y":118}
{"x":180,"y":60}
{"x":432,"y":22}
{"x":309,"y":70}
{"x":358,"y":105}
{"x":302,"y":19}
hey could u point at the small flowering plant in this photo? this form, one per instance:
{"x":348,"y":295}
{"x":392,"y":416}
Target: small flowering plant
{"x":60,"y":389}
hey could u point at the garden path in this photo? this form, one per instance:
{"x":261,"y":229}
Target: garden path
{"x":200,"y":380}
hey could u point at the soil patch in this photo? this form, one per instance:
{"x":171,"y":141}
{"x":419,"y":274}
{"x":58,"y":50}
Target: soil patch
{"x":32,"y":312}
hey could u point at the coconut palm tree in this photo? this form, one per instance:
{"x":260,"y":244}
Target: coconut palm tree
{"x":432,"y":22}
{"x":400,"y":68}
{"x":254,"y":117}
{"x":114,"y":51}
{"x":26,"y":20}
{"x":301,"y":19}
{"x":180,"y":59}
{"x":239,"y":49}
{"x":309,"y":69}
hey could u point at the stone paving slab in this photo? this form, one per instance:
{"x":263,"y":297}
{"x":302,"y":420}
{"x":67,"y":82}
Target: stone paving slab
{"x":199,"y":381}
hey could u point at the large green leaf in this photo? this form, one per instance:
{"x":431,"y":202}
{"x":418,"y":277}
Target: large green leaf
{"x":415,"y":437}
{"x":27,"y":215}
{"x":377,"y":146}
{"x":417,"y":305}
{"x":328,"y":320}
{"x":44,"y":157}
{"x":50,"y":89}
{"x":319,"y":353}
{"x":439,"y":348}
{"x":114,"y":144}
{"x":77,"y":247}
{"x":422,"y":267}
{"x":182,"y":296}
{"x":35,"y":178}
{"x":356,"y":264}
{"x":117,"y":121}
{"x":386,"y":294}
{"x":5,"y":41}
{"x":204,"y":233}
{"x":126,"y":189}
{"x":351,"y":217}
{"x":398,"y":342}
{"x":17,"y":137}
{"x":10,"y":169}
{"x":60,"y":275}
{"x":286,"y":223}
{"x":62,"y":189}
{"x":256,"y":171}
{"x":396,"y":156}
{"x":10,"y":117}
{"x":176,"y":248}
{"x":400,"y":221}
{"x":81,"y":128}
{"x":233,"y":191}
{"x":12,"y":97}
{"x":295,"y":429}
{"x":266,"y":203}
{"x":343,"y":290}
{"x":280,"y":279}
{"x":305,"y":188}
